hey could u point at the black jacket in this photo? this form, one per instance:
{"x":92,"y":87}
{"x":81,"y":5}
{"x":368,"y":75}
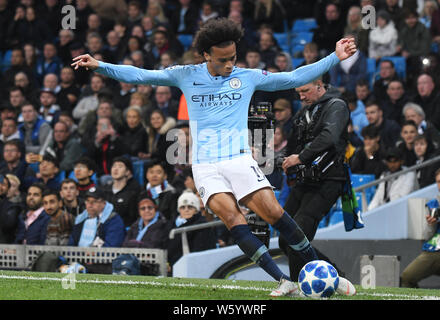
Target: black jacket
{"x":328,"y":132}
{"x":198,"y":240}
{"x":156,"y":236}
{"x":9,"y":213}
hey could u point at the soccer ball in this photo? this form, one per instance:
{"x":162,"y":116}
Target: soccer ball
{"x":318,"y":279}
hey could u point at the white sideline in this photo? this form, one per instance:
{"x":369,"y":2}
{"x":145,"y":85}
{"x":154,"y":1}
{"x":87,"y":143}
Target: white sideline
{"x":229,"y":287}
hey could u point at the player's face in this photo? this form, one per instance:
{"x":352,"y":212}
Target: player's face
{"x":221,"y":61}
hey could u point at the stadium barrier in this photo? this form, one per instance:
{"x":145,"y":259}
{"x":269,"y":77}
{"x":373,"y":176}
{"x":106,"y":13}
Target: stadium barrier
{"x":21,"y":257}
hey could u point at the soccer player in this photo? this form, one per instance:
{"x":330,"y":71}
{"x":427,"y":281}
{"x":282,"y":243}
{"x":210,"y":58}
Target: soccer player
{"x":218,"y":96}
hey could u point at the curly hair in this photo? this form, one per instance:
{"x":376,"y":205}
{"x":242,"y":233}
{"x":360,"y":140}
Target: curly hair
{"x":219,"y":32}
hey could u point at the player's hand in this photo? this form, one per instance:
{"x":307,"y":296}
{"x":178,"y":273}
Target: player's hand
{"x":345,"y":48}
{"x":85,"y":61}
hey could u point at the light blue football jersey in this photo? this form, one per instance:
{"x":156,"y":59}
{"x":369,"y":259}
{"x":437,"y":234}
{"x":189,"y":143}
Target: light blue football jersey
{"x":218,"y":106}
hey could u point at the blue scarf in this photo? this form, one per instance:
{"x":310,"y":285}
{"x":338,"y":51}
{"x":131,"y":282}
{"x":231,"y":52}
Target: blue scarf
{"x":142,"y":229}
{"x":180,"y":221}
{"x":154,"y":192}
{"x":90,"y":227}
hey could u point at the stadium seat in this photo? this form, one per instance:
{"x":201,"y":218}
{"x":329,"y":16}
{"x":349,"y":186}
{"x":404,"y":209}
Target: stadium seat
{"x":296,"y":62}
{"x":359,"y":180}
{"x":282,"y":40}
{"x":336,"y":217}
{"x":297,"y":50}
{"x":399,"y":65}
{"x":302,"y":25}
{"x":371,"y":71}
{"x":5,"y":61}
{"x":185,"y":40}
{"x":302,"y":38}
{"x":138,"y":171}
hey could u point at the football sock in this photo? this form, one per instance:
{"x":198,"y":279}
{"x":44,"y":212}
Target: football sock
{"x":295,"y":237}
{"x":256,"y":250}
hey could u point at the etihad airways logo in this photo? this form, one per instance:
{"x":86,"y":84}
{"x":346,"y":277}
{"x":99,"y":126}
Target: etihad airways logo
{"x":216,"y":100}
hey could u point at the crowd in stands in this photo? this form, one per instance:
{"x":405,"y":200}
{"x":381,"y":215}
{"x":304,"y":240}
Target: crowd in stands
{"x":85,"y":161}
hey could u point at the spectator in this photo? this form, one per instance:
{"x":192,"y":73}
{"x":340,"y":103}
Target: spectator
{"x":428,"y":98}
{"x":123,"y":190}
{"x":29,"y":28}
{"x":35,"y":132}
{"x":84,"y":170}
{"x":396,"y":12}
{"x":51,"y":82}
{"x":424,"y":151}
{"x":64,"y":147}
{"x":430,"y":6}
{"x":369,"y":159}
{"x":69,"y":193}
{"x":157,"y":130}
{"x":396,"y":188}
{"x":26,"y":84}
{"x":135,"y":136}
{"x":17,"y":65}
{"x":134,"y":13}
{"x":189,"y":214}
{"x":99,"y":225}
{"x":345,"y":75}
{"x":278,"y":146}
{"x":387,"y":73}
{"x":357,"y":112}
{"x":269,"y":12}
{"x":66,"y":38}
{"x":414,"y":41}
{"x":32,"y":222}
{"x":354,"y":27}
{"x":158,"y":188}
{"x":162,"y":42}
{"x":49,"y":109}
{"x":282,"y":109}
{"x":207,"y":12}
{"x":106,"y":145}
{"x":389,"y":130}
{"x":13,"y":163}
{"x":14,"y":194}
{"x":89,"y":103}
{"x":163,"y":101}
{"x":425,"y":264}
{"x":412,"y":111}
{"x":268,"y":48}
{"x":183,"y":19}
{"x":48,"y":62}
{"x":253,"y":59}
{"x":87,"y":126}
{"x":60,"y":224}
{"x":114,"y":46}
{"x":49,"y":169}
{"x":9,"y":212}
{"x":16,"y":100}
{"x":406,"y":143}
{"x":150,"y":230}
{"x":69,"y":92}
{"x":395,"y":100}
{"x":283,"y":61}
{"x":330,"y":30}
{"x":383,"y":38}
{"x":9,"y":131}
{"x":66,"y":117}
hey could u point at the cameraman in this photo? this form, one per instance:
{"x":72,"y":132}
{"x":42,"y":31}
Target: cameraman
{"x":319,"y":129}
{"x":428,"y":262}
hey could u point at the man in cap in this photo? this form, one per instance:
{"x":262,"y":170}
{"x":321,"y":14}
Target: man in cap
{"x":395,"y":188}
{"x":282,"y":109}
{"x":99,"y":225}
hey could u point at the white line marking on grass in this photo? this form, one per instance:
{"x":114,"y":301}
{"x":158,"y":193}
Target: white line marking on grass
{"x":193,"y":285}
{"x":132,"y":282}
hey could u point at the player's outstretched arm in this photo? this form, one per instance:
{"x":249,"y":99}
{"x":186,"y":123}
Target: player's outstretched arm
{"x":345,"y":48}
{"x":124,"y":73}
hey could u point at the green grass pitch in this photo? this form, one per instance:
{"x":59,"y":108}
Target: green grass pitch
{"x":21,"y":285}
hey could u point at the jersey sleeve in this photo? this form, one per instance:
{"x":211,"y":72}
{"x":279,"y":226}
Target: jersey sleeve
{"x":134,"y":75}
{"x":267,"y":81}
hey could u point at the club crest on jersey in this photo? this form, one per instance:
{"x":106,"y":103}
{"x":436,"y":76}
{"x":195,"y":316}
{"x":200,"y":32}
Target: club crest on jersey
{"x":235,"y":83}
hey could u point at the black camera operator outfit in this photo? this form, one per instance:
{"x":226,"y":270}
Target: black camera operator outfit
{"x":319,"y":137}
